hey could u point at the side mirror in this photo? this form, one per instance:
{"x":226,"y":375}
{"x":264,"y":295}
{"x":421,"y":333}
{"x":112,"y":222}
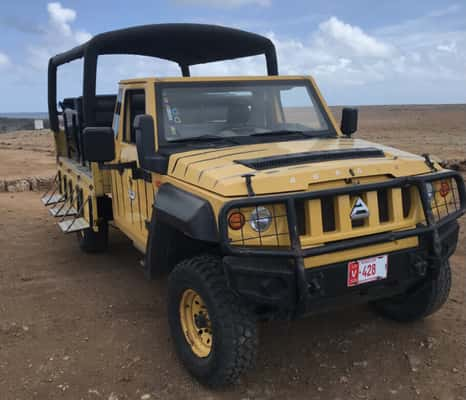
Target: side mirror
{"x":349,"y":121}
{"x":145,"y":145}
{"x":98,"y":144}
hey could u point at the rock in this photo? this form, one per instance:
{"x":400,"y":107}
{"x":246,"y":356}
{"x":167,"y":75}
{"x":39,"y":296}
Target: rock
{"x":20,"y":185}
{"x":414,"y":362}
{"x":2,"y":186}
{"x":362,"y":364}
{"x":41,"y":184}
{"x":457,"y":165}
{"x":146,"y":396}
{"x":344,"y":379}
{"x":64,"y":387}
{"x":113,"y":396}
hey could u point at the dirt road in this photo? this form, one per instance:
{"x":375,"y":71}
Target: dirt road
{"x":76,"y":326}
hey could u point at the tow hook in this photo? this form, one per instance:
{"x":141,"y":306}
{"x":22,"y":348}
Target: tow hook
{"x":420,"y":267}
{"x":315,"y":284}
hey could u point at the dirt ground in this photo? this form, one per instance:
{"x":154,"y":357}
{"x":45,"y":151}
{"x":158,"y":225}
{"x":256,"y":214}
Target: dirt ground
{"x":76,"y":326}
{"x":26,"y":153}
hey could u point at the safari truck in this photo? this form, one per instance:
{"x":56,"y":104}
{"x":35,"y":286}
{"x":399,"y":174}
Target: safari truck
{"x":246,"y":193}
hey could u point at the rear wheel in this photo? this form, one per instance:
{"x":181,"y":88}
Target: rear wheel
{"x":214,"y":334}
{"x":93,"y":242}
{"x":422,"y":302}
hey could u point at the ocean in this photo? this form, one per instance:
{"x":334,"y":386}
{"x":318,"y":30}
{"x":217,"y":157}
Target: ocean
{"x":26,"y":115}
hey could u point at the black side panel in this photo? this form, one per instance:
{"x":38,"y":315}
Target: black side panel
{"x":187,"y":213}
{"x":182,"y":225}
{"x":160,"y":253}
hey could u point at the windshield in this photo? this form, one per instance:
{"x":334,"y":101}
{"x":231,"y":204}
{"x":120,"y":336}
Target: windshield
{"x":209,"y":111}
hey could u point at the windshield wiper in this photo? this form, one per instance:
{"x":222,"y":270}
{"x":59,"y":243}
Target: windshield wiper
{"x":205,"y":138}
{"x":289,"y":132}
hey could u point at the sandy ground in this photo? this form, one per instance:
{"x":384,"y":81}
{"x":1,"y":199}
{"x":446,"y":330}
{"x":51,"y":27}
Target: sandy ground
{"x":26,"y":153}
{"x":76,"y":326}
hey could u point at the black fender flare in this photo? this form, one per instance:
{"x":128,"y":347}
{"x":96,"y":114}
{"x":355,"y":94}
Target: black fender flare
{"x":176,"y":212}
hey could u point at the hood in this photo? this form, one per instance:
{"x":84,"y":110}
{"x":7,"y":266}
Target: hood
{"x":290,"y":166}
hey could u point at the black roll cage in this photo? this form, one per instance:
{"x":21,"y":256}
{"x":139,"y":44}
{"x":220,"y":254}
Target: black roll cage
{"x":185,"y":44}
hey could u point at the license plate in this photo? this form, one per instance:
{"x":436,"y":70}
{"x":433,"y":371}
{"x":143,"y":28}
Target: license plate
{"x":367,"y":270}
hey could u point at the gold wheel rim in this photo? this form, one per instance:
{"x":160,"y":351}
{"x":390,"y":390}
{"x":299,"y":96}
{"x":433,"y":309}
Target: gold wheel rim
{"x":195,"y":322}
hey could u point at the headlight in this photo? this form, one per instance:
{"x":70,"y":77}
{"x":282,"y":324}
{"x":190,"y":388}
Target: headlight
{"x":430,"y":191}
{"x":260,"y":220}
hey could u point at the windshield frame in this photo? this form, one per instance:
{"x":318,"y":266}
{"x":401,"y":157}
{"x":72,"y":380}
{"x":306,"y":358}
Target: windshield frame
{"x":330,"y":132}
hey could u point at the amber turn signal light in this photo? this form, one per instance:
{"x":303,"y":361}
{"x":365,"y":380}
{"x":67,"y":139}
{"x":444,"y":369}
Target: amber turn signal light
{"x":444,"y":188}
{"x":236,"y":221}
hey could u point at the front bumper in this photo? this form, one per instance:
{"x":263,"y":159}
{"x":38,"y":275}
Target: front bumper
{"x":277,"y":280}
{"x":273,"y":285}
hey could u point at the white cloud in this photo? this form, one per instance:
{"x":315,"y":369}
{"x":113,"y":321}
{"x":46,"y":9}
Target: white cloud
{"x":4,"y":60}
{"x":451,"y":9}
{"x":398,"y":67}
{"x":56,"y":36}
{"x":449,"y":48}
{"x":224,"y":3}
{"x":60,"y":18}
{"x":417,"y":60}
{"x":352,"y":37}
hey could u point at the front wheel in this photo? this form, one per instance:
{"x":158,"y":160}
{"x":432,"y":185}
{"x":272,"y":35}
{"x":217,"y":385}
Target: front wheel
{"x":214,"y":334}
{"x":422,"y":302}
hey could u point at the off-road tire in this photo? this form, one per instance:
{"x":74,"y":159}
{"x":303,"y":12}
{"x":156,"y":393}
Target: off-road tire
{"x":420,"y":304}
{"x":234,"y":329}
{"x":93,"y":242}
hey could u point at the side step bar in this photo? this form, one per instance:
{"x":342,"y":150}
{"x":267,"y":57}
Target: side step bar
{"x":54,"y":198}
{"x":73,"y":225}
{"x":50,"y":199}
{"x":59,"y":211}
{"x":63,"y":208}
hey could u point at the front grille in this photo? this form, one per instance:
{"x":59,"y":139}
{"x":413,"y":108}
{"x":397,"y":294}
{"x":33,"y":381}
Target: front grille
{"x":329,"y":218}
{"x":328,"y":213}
{"x":323,"y":215}
{"x":382,"y":205}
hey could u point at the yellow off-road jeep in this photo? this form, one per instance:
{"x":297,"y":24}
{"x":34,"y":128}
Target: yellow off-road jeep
{"x":246,"y":192}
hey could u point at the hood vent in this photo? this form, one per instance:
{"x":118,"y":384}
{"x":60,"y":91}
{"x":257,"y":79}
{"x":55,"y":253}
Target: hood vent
{"x":310,"y":157}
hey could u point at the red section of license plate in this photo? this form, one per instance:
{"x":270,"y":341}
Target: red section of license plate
{"x":367,"y":270}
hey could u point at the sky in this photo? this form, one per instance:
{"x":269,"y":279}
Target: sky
{"x":359,"y":51}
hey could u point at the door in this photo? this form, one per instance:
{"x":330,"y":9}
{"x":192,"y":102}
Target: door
{"x":133,"y":196}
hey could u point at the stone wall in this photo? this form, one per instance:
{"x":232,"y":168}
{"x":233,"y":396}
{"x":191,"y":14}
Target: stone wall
{"x":26,"y":184}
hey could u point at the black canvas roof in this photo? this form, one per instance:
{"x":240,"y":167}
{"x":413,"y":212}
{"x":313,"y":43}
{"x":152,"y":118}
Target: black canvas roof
{"x":185,"y":44}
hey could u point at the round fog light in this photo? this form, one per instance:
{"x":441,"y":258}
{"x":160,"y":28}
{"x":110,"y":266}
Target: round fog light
{"x":236,"y":221}
{"x":261,"y":218}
